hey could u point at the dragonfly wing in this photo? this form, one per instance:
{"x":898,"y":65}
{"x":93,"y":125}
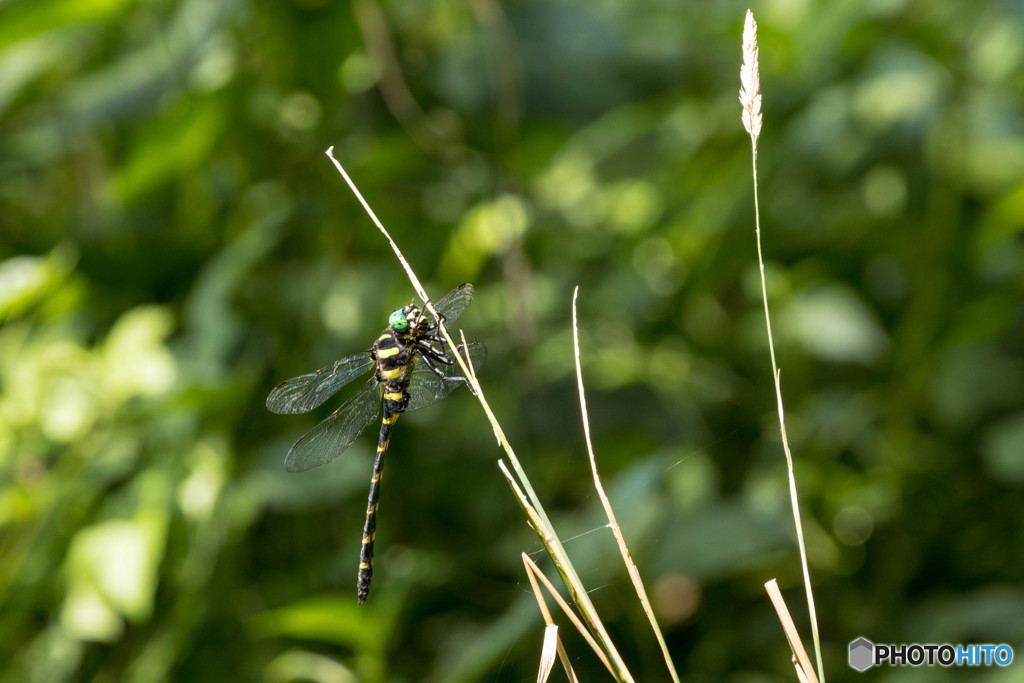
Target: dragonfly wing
{"x":304,"y":393}
{"x":327,"y":440}
{"x":454,"y":303}
{"x":426,"y":388}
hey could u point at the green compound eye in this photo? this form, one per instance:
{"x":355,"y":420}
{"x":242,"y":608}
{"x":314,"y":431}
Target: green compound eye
{"x":397,"y":320}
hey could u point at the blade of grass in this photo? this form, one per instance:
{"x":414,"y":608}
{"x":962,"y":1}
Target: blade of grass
{"x":551,"y":629}
{"x":548,"y":652}
{"x":563,"y":657}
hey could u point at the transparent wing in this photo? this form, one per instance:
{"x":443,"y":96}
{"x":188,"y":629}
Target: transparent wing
{"x":327,"y":440}
{"x":426,"y":388}
{"x":454,"y":303}
{"x":304,"y":393}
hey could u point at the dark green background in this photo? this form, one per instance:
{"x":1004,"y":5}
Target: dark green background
{"x":174,"y":242}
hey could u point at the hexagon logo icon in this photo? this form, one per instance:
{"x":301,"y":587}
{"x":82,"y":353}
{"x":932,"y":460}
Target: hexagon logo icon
{"x":862,"y":654}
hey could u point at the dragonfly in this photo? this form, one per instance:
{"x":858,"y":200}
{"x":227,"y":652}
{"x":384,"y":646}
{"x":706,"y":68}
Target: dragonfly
{"x":413,"y":368}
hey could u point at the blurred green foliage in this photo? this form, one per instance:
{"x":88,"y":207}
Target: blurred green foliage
{"x":173,"y":243}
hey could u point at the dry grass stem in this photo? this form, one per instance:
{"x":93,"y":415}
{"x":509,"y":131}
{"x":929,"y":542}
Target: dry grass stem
{"x":801,"y":661}
{"x":551,"y":631}
{"x":631,"y":568}
{"x":750,"y":99}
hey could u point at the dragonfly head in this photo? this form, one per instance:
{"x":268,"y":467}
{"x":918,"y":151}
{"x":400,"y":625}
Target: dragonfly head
{"x":408,"y":319}
{"x":399,"y":319}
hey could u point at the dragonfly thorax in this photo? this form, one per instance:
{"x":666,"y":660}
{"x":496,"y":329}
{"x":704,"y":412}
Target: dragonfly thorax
{"x":394,"y":355}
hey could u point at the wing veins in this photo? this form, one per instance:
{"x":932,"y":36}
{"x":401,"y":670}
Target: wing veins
{"x":307,"y":392}
{"x":453,"y":304}
{"x":327,"y":440}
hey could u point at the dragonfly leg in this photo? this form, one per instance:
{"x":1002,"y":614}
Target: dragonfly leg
{"x":429,"y":362}
{"x":434,"y":353}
